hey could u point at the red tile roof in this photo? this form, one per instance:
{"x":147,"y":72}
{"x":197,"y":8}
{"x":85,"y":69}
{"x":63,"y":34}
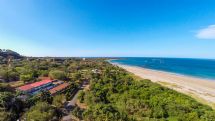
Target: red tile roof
{"x":58,"y":88}
{"x":33,"y":85}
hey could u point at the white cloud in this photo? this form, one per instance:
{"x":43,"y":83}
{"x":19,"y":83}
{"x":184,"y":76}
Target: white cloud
{"x":206,"y":33}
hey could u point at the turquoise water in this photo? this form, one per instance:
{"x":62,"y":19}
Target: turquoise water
{"x":201,"y":68}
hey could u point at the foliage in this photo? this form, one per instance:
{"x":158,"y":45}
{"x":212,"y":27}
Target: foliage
{"x":6,"y":88}
{"x":81,"y":96}
{"x":78,"y":112}
{"x":56,"y":74}
{"x":116,"y":95}
{"x":42,"y":111}
{"x":10,"y":106}
{"x":27,"y":70}
{"x":100,"y":112}
{"x":6,"y":100}
{"x":6,"y":116}
{"x":70,"y":91}
{"x":9,"y":75}
{"x":26,"y":77}
{"x":31,"y":101}
{"x":5,"y":53}
{"x":59,"y":101}
{"x":46,"y":97}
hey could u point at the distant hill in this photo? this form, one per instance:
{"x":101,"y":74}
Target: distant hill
{"x":6,"y":53}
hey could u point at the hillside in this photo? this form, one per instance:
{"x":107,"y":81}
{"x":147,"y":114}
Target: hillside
{"x":6,"y":53}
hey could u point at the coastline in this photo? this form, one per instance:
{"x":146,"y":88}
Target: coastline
{"x":201,"y":89}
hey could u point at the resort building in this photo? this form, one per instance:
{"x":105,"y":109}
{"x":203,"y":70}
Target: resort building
{"x":35,"y":88}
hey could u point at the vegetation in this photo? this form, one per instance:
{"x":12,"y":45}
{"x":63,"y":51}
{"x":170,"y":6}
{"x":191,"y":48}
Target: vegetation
{"x":9,"y":54}
{"x":40,"y":112}
{"x":81,"y":96}
{"x":116,"y":95}
{"x":59,"y":101}
{"x":16,"y":72}
{"x":10,"y":106}
{"x":46,"y":96}
{"x":56,"y":74}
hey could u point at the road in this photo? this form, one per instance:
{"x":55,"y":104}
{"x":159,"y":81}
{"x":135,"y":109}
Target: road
{"x":72,"y":102}
{"x":75,"y":98}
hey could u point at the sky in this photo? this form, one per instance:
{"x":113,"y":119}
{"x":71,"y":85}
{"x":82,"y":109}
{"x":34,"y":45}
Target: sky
{"x":109,"y":28}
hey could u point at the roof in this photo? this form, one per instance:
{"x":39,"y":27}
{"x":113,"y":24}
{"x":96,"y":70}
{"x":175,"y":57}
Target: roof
{"x":58,"y":88}
{"x":33,"y":85}
{"x":57,"y":82}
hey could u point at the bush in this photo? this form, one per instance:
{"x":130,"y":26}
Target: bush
{"x":26,"y":77}
{"x":59,"y":100}
{"x":56,"y":74}
{"x":42,"y":111}
{"x":81,"y":96}
{"x":46,"y":97}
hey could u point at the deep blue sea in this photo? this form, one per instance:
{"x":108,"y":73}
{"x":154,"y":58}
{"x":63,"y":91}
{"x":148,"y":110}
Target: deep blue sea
{"x":201,"y":68}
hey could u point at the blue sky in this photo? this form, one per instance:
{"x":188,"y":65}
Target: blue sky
{"x":161,"y":28}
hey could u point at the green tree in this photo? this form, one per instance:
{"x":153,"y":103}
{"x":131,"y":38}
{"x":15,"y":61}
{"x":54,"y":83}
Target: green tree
{"x":56,"y":74}
{"x":77,"y":76}
{"x":26,"y":77}
{"x":46,"y":97}
{"x":9,"y":75}
{"x":59,"y":101}
{"x":6,"y":88}
{"x":40,"y":112}
{"x":208,"y":116}
{"x":6,"y":116}
{"x":6,"y":100}
{"x":81,"y":96}
{"x":11,"y":105}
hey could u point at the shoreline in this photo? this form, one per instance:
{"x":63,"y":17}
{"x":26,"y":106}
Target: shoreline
{"x":201,"y":89}
{"x":174,"y":73}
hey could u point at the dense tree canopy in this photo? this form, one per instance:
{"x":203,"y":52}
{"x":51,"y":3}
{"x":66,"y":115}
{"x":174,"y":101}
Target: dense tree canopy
{"x":46,"y":96}
{"x":56,"y":74}
{"x":116,"y":95}
{"x":5,"y":53}
{"x":59,"y":101}
{"x":40,"y":112}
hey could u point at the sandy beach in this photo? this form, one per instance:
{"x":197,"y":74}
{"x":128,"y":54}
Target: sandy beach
{"x":201,"y":89}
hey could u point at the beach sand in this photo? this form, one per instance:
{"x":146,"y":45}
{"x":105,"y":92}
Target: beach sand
{"x":201,"y":89}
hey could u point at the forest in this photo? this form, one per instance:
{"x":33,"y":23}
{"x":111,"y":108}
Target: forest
{"x":118,"y":95}
{"x":42,"y":107}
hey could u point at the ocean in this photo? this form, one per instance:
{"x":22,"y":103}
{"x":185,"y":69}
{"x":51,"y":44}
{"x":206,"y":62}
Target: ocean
{"x":200,"y":68}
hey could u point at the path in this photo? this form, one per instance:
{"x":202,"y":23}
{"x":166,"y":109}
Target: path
{"x":75,"y":98}
{"x":72,"y":103}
